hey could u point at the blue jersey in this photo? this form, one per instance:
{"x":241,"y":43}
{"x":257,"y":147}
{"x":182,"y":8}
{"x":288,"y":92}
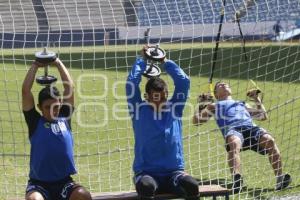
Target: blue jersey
{"x":51,"y":155}
{"x":158,"y":135}
{"x":230,"y":114}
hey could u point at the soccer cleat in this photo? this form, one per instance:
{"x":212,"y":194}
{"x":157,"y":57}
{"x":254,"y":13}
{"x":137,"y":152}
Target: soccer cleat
{"x":283,"y":181}
{"x":237,"y":185}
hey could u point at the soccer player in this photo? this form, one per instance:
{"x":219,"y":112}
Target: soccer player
{"x":234,"y":119}
{"x":50,"y":135}
{"x":159,"y":162}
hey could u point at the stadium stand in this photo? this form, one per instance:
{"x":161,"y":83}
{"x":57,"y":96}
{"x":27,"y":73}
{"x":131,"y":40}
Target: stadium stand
{"x":23,"y":16}
{"x":165,"y":12}
{"x":80,"y":15}
{"x":34,"y":23}
{"x":17,"y":16}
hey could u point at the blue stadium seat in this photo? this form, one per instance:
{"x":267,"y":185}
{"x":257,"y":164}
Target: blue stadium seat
{"x":203,"y":11}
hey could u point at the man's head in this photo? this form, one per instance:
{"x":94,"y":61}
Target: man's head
{"x":49,"y":102}
{"x":222,"y":90}
{"x":156,"y":91}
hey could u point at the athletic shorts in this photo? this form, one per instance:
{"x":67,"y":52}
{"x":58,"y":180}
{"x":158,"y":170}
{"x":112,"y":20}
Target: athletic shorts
{"x":165,"y":183}
{"x":58,"y":190}
{"x":249,"y":137}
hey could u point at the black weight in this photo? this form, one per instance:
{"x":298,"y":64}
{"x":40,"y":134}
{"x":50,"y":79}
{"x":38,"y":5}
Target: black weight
{"x":45,"y":56}
{"x":155,"y":53}
{"x":151,"y":71}
{"x":46,"y":60}
{"x":46,"y":80}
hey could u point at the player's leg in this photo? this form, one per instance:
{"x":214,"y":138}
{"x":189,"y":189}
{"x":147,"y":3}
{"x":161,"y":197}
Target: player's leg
{"x":70,"y":190}
{"x":35,"y":191}
{"x":267,"y":142}
{"x":184,"y":185}
{"x":80,"y":193}
{"x":146,"y":186}
{"x":34,"y":195}
{"x":234,"y":141}
{"x":234,"y":145}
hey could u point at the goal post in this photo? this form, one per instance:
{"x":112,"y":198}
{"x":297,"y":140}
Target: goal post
{"x":98,"y":41}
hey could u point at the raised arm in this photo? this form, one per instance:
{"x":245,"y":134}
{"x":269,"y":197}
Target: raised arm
{"x":133,"y":91}
{"x":181,"y":82}
{"x":27,"y":96}
{"x":258,"y":113}
{"x":68,"y":94}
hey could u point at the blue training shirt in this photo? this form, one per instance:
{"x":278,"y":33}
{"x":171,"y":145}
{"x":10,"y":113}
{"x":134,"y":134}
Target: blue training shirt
{"x":51,"y":154}
{"x":230,"y":114}
{"x":158,"y":135}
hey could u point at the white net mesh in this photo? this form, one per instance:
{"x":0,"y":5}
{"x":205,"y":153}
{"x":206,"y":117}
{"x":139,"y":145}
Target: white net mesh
{"x":98,"y":41}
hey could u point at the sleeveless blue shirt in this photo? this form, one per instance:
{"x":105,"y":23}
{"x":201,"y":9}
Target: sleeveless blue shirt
{"x":230,"y":114}
{"x":51,"y":157}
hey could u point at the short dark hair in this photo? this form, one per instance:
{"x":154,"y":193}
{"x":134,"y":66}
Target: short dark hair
{"x":156,"y":84}
{"x":48,"y":93}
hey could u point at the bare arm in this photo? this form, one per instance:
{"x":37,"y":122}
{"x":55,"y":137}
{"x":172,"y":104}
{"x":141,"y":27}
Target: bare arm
{"x":203,"y":115}
{"x":27,"y":96}
{"x":68,"y":94}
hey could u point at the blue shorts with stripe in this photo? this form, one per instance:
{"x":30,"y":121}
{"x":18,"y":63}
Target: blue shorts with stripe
{"x":58,"y":190}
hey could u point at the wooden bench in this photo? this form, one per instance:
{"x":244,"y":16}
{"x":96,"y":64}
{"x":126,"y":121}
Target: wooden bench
{"x":205,"y":191}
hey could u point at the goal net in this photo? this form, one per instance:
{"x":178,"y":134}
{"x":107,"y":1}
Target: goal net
{"x":98,"y":40}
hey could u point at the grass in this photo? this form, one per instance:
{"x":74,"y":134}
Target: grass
{"x":104,"y":148}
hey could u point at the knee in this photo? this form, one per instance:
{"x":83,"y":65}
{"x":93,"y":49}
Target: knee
{"x":34,"y":196}
{"x":190,"y":187}
{"x":233,"y":142}
{"x":234,"y":146}
{"x":80,"y":193}
{"x":269,"y":142}
{"x":146,"y":187}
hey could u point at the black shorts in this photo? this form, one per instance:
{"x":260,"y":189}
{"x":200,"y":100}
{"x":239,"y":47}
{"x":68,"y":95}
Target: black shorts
{"x":58,"y":190}
{"x":249,"y":137}
{"x":165,"y":183}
